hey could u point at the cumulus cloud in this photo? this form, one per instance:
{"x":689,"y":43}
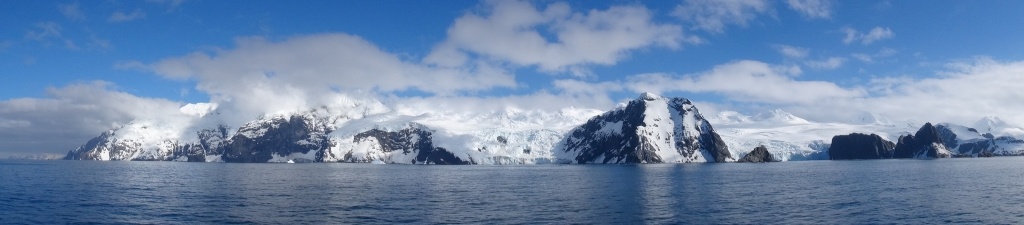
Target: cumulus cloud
{"x":745,"y":81}
{"x":814,"y":9}
{"x":555,"y":38}
{"x":71,"y":115}
{"x":714,"y":15}
{"x":262,"y":76}
{"x":119,"y":16}
{"x":792,"y":51}
{"x":875,"y":34}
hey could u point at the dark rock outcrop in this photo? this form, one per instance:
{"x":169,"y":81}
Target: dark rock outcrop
{"x":646,"y":126}
{"x":758,"y":155}
{"x":256,"y":142}
{"x":860,"y":146}
{"x":411,"y":140}
{"x":926,"y":143}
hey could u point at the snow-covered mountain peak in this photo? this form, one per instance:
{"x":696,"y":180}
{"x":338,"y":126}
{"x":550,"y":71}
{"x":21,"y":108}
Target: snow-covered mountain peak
{"x":778,"y":116}
{"x":998,"y":127}
{"x":869,"y":118}
{"x":729,"y":118}
{"x":648,"y":96}
{"x":650,"y":129}
{"x":989,"y":124}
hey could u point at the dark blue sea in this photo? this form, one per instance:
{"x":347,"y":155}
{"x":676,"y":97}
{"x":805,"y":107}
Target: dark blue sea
{"x":947,"y":191}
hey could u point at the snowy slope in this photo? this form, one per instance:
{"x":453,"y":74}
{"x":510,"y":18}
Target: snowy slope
{"x":509,"y":137}
{"x":789,"y":137}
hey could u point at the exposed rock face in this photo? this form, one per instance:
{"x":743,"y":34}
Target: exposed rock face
{"x":926,"y":143}
{"x":758,"y":155}
{"x":650,"y":129}
{"x":860,"y":146}
{"x":257,"y":141}
{"x":94,"y":143}
{"x":413,"y":140}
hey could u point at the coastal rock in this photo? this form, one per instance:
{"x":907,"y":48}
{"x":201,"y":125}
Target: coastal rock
{"x":758,"y":155}
{"x":860,"y":146}
{"x":926,"y":143}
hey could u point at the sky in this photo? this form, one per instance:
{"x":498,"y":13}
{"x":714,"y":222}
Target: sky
{"x":73,"y":69}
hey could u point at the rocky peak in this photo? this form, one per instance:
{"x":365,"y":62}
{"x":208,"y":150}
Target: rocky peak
{"x":650,"y":129}
{"x":926,"y":143}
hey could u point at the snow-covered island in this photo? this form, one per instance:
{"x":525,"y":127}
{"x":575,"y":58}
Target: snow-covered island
{"x":648,"y":129}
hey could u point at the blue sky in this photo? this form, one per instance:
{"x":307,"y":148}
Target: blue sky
{"x":893,"y":58}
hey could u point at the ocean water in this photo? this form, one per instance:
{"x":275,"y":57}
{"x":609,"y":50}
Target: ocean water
{"x":947,"y":191}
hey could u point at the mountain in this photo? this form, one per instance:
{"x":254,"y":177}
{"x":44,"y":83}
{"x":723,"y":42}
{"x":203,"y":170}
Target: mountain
{"x":349,"y":130}
{"x":926,"y":143}
{"x":964,"y":141}
{"x":649,"y":129}
{"x":868,"y":118}
{"x":778,"y":116}
{"x":990,"y":124}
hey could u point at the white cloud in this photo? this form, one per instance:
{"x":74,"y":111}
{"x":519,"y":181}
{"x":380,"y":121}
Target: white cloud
{"x":44,"y":30}
{"x":745,"y":81}
{"x":878,"y":33}
{"x":260,"y":76}
{"x":71,"y":11}
{"x":714,"y":15}
{"x":868,"y":58}
{"x":827,"y":64}
{"x":875,"y":34}
{"x":963,"y":94}
{"x":71,"y":115}
{"x":555,"y":39}
{"x":48,"y":32}
{"x":792,"y":51}
{"x":863,"y":57}
{"x":119,"y":16}
{"x":814,"y":9}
